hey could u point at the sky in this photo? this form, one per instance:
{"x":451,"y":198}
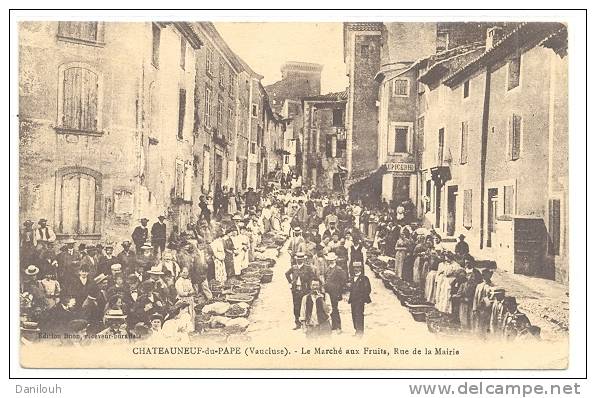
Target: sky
{"x":266,"y":46}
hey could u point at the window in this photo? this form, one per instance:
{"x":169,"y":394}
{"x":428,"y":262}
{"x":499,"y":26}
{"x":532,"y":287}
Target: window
{"x":220,"y":113}
{"x":338,"y":117}
{"x":554,"y":226}
{"x":207,"y":114}
{"x":464,"y":143}
{"x":441,"y":146}
{"x":78,"y":200}
{"x":79,"y":105}
{"x":209,"y":61}
{"x":467,"y":208}
{"x":401,"y":88}
{"x":182,"y":52}
{"x":401,"y":140}
{"x":515,"y":132}
{"x":364,"y":49}
{"x":331,"y":145}
{"x":231,"y":83}
{"x":508,"y":200}
{"x":255,"y":110}
{"x":222,"y":72}
{"x":253,"y":148}
{"x":181,"y":112}
{"x":87,"y":32}
{"x":155,"y":45}
{"x":466,"y":89}
{"x":442,"y":41}
{"x":230,"y":122}
{"x":513,"y":72}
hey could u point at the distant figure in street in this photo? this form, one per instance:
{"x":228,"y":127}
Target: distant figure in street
{"x":462,"y":248}
{"x":205,"y":212}
{"x":315,"y":310}
{"x":140,"y":234}
{"x":359,"y":296}
{"x":159,"y":236}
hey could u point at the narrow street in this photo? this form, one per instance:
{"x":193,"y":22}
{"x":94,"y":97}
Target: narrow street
{"x":273,"y":311}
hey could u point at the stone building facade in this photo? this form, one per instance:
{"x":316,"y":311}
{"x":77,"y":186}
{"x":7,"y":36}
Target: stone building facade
{"x":325,"y":141}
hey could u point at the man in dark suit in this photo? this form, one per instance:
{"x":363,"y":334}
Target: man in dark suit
{"x":299,"y":277}
{"x":158,"y":236}
{"x":359,"y":296}
{"x":139,"y":235}
{"x":335,"y":282}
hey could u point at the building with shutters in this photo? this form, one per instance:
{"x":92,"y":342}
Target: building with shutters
{"x":494,"y":164}
{"x":106,"y":124}
{"x":325,"y":155}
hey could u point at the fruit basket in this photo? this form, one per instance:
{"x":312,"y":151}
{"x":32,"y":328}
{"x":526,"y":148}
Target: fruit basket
{"x":419,"y":316}
{"x":245,"y":290}
{"x":251,"y":278}
{"x":237,"y":311}
{"x":239,"y":298}
{"x":266,"y":276}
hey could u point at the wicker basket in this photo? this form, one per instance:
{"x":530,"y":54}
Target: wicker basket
{"x":419,"y":316}
{"x":267,"y":276}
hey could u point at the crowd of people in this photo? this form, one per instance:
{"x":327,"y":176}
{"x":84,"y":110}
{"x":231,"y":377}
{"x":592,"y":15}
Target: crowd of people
{"x":156,"y":280}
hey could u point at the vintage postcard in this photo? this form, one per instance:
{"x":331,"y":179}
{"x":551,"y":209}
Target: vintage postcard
{"x":293,"y":195}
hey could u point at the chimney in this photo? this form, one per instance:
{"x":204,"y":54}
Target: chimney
{"x":493,"y":35}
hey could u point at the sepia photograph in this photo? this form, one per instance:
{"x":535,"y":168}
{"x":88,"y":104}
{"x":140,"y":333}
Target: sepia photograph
{"x":293,"y":195}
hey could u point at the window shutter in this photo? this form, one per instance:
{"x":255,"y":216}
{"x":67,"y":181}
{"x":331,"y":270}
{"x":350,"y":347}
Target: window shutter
{"x":467,"y":208}
{"x":464,"y":143}
{"x":79,"y":103}
{"x":181,"y":112}
{"x":515,"y":137}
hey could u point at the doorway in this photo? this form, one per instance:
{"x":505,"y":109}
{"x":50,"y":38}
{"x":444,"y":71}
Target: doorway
{"x":493,"y":202}
{"x":451,"y":209}
{"x":401,"y":188}
{"x":218,"y":170}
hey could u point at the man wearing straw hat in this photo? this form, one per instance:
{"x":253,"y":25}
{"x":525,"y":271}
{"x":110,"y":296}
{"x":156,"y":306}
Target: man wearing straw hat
{"x":116,"y":321}
{"x":359,"y":296}
{"x":335,"y":282}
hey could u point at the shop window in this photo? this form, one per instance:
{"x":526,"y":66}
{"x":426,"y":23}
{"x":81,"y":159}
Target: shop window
{"x":467,"y":216}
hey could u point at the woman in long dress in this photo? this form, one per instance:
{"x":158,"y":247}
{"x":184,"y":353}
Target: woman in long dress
{"x":219,"y":256}
{"x":185,"y":293}
{"x":450,"y":269}
{"x":232,"y":207}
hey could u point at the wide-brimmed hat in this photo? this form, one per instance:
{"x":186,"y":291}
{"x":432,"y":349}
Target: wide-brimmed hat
{"x":100,"y":278}
{"x":155,"y":270}
{"x":156,"y":315}
{"x":331,"y":256}
{"x":31,"y":270}
{"x":70,"y":241}
{"x":237,"y":217}
{"x":116,"y":267}
{"x":28,"y":222}
{"x":357,"y":264}
{"x":146,"y":246}
{"x":42,"y":220}
{"x":462,"y":236}
{"x":126,"y":243}
{"x":161,"y":217}
{"x":115,"y":314}
{"x":297,"y":229}
{"x":300,"y":256}
{"x":144,"y":219}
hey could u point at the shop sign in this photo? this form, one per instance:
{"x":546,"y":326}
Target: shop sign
{"x":400,"y":167}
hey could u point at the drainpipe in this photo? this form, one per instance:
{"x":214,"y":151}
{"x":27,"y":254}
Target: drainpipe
{"x":483,"y":150}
